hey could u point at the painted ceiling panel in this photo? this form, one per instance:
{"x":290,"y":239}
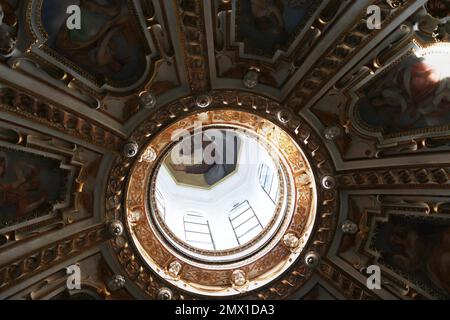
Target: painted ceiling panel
{"x":265,"y":26}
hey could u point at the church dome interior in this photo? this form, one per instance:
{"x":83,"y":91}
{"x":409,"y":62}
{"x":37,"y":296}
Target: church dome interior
{"x":224,"y":149}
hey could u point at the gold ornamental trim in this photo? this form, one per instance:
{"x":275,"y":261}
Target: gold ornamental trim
{"x":260,"y":266}
{"x":275,"y":271}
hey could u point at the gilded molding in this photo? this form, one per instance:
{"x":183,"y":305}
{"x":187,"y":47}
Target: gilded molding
{"x":128,"y":255}
{"x":14,"y":272}
{"x":42,"y":111}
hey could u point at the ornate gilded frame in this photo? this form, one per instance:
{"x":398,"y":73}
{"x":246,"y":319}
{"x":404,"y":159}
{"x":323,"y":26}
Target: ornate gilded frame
{"x":150,"y":280}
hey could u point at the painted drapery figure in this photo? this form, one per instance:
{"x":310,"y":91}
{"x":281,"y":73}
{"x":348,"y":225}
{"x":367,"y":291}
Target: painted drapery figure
{"x":17,"y":181}
{"x":420,"y":250}
{"x":29,"y":184}
{"x":411,"y":96}
{"x":266,"y":25}
{"x":107,"y":44}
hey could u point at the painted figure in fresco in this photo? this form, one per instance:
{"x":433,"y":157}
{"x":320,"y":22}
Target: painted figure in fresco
{"x":101,"y":23}
{"x":16,"y":190}
{"x":7,"y":33}
{"x":442,"y":93}
{"x":410,"y":97}
{"x":439,"y":265}
{"x":268,"y":15}
{"x":438,"y":8}
{"x":267,"y":25}
{"x":271,"y":15}
{"x":418,"y":251}
{"x":406,"y":248}
{"x":214,"y":172}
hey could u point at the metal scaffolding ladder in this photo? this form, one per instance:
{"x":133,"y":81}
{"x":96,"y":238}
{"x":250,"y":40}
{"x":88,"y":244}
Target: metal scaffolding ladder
{"x":244,"y":221}
{"x":197,"y":231}
{"x":266,"y":180}
{"x":160,"y":203}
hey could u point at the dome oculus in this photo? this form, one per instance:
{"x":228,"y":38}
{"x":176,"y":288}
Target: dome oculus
{"x":220,"y":198}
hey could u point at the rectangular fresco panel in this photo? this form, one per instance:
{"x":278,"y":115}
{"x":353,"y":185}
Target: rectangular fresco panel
{"x":413,"y":95}
{"x":267,"y":25}
{"x":108,"y":44}
{"x":416,"y":249}
{"x":29,"y":185}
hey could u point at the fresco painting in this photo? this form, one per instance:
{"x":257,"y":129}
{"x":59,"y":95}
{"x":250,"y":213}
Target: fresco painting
{"x":413,"y":95}
{"x":267,"y":25}
{"x":205,"y":175}
{"x":418,"y":248}
{"x":108,"y":45}
{"x":29,"y":185}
